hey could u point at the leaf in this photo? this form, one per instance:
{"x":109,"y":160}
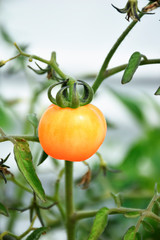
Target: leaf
{"x":138,"y":236}
{"x":40,"y":70}
{"x":42,"y":158}
{"x":141,"y":163}
{"x":99,"y":224}
{"x":32,"y":118}
{"x":86,"y":179}
{"x":147,"y":226}
{"x":23,"y":158}
{"x":6,"y":118}
{"x":35,"y":235}
{"x":112,"y":170}
{"x":132,"y":66}
{"x":133,"y":105}
{"x":38,"y":213}
{"x":130,"y":234}
{"x":158,"y":91}
{"x":132,"y":215}
{"x":6,"y":35}
{"x":3,"y":210}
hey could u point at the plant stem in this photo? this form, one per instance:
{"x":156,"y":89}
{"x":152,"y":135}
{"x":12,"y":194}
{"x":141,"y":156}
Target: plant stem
{"x":52,"y":62}
{"x":148,"y":213}
{"x":70,"y":223}
{"x":12,"y":58}
{"x":143,"y":212}
{"x":21,"y":185}
{"x":120,"y":68}
{"x":4,"y":136}
{"x":87,"y":214}
{"x":7,"y":233}
{"x":27,"y":138}
{"x":28,"y":230}
{"x":100,"y":76}
{"x":56,"y":194}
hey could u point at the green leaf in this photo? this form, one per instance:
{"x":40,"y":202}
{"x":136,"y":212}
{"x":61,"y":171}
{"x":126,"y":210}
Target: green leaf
{"x":138,"y":236}
{"x":3,"y":210}
{"x":158,"y":91}
{"x":6,"y":118}
{"x":133,"y":105}
{"x":141,"y":163}
{"x":132,"y":215}
{"x":6,"y":35}
{"x":23,"y":158}
{"x":130,"y":234}
{"x":40,"y":70}
{"x":35,"y":235}
{"x":147,"y":226}
{"x":132,"y":66}
{"x":38,"y":213}
{"x":32,"y":118}
{"x":42,"y":157}
{"x":99,"y":224}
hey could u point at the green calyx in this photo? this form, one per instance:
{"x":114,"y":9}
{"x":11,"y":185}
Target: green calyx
{"x":68,"y":95}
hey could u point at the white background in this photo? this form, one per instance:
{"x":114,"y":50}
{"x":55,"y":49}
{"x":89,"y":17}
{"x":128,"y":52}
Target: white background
{"x":80,"y":31}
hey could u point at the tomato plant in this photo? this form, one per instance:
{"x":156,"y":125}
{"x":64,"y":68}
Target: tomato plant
{"x":72,"y":129}
{"x":72,"y":134}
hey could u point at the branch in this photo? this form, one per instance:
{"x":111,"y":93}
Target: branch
{"x":27,"y":138}
{"x":120,"y":68}
{"x":87,"y":214}
{"x":70,"y":224}
{"x":100,"y":75}
{"x":143,"y":213}
{"x":52,"y":62}
{"x":148,"y":213}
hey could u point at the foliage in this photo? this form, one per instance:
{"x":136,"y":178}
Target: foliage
{"x":124,"y":189}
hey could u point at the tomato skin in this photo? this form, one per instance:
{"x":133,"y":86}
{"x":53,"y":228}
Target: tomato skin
{"x":72,"y":134}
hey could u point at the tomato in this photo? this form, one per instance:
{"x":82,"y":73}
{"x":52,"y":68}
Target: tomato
{"x":72,"y":134}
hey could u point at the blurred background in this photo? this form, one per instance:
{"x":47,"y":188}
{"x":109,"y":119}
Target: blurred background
{"x":82,"y":33}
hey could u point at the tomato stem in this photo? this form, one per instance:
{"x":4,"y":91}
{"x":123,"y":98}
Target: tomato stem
{"x":28,"y":138}
{"x":51,"y":63}
{"x":100,"y":76}
{"x":70,"y":223}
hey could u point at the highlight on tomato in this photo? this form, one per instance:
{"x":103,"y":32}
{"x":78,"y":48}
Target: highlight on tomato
{"x":72,"y":134}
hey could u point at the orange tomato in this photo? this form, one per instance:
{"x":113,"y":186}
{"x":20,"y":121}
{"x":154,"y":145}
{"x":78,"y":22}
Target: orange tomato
{"x":72,"y":134}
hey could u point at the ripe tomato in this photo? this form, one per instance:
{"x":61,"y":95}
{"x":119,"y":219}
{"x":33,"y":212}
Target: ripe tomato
{"x":72,"y":134}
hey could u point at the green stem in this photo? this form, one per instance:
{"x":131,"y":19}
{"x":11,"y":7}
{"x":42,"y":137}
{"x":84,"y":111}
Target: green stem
{"x":27,"y":138}
{"x":21,"y":185}
{"x":87,"y":214}
{"x":2,"y":235}
{"x":2,"y":133}
{"x":56,"y":194}
{"x":100,"y":76}
{"x":148,"y":213}
{"x":70,"y":223}
{"x":28,"y":230}
{"x":52,"y":62}
{"x":143,"y":212}
{"x":12,"y":58}
{"x":120,"y":68}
